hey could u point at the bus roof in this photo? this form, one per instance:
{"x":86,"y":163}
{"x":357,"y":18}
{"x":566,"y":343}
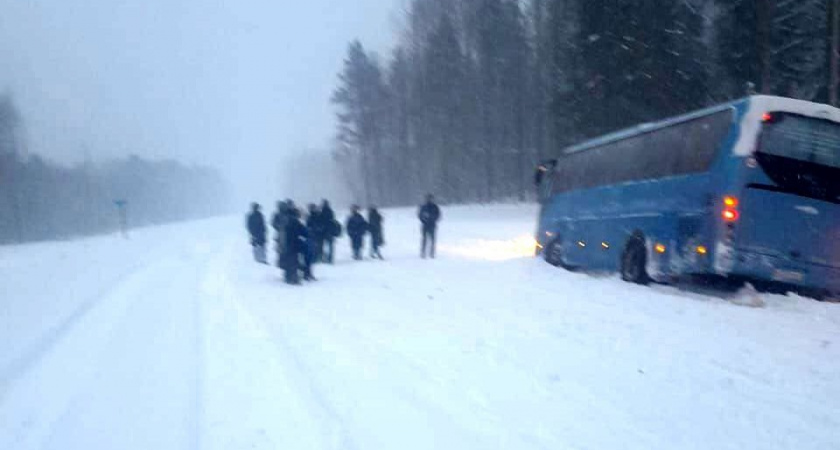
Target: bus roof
{"x":755,"y":107}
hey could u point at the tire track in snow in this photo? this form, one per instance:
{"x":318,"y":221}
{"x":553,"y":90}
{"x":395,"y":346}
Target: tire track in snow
{"x":354,"y":340}
{"x":270,"y":382}
{"x":133,"y":343}
{"x":30,"y":356}
{"x":27,"y":359}
{"x":305,"y":376}
{"x":369,"y":377}
{"x":83,"y":396}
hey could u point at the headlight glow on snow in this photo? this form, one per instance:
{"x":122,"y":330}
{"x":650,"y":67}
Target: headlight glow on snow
{"x":491,"y":250}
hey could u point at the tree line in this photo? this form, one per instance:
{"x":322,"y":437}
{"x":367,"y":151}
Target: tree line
{"x":475,"y":92}
{"x":40,"y":200}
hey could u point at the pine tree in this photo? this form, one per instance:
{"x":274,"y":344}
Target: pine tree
{"x":637,"y":62}
{"x":488,"y":60}
{"x":539,"y":98}
{"x":502,"y":58}
{"x":780,"y":46}
{"x":402,"y":180}
{"x":800,"y":47}
{"x":567,"y":77}
{"x":515,"y":83}
{"x":10,"y":122}
{"x":694,"y":66}
{"x":440,"y":96}
{"x":362,"y":102}
{"x":740,"y":52}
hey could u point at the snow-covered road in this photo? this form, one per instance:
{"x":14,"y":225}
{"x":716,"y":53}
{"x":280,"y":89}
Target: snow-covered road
{"x":176,"y":340}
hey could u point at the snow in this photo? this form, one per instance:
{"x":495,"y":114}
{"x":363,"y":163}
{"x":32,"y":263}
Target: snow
{"x":174,"y":339}
{"x":762,"y":104}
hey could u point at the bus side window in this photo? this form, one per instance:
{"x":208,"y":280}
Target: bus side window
{"x":672,"y":142}
{"x":705,"y":137}
{"x":631,"y":159}
{"x":679,"y":149}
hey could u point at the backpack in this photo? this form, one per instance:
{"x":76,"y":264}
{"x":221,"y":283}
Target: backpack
{"x":336,"y":229}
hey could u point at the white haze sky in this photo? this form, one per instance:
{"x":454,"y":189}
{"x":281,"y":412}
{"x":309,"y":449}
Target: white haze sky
{"x":236,"y":84}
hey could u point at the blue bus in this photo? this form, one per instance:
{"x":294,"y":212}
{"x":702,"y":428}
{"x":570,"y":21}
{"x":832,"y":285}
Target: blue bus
{"x":744,"y":191}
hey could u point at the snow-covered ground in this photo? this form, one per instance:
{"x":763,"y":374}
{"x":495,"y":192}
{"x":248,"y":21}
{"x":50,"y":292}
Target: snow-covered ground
{"x":174,"y":339}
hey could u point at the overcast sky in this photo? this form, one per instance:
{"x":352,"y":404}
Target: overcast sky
{"x":232,"y":83}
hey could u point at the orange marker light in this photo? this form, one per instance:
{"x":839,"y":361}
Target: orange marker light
{"x":660,"y":248}
{"x":731,"y":202}
{"x":702,"y":250}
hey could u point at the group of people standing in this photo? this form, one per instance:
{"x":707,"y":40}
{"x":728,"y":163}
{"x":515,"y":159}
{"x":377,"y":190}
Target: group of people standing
{"x":302,"y":243}
{"x":358,"y":227}
{"x":299,"y":244}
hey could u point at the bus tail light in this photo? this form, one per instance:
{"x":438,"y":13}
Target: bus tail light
{"x":772,"y":117}
{"x":730,"y":209}
{"x":730,"y":215}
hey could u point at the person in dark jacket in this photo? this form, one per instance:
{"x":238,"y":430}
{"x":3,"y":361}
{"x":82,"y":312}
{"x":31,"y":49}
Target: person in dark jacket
{"x":429,"y":215}
{"x":258,"y":231}
{"x":295,"y":249}
{"x":332,"y":229}
{"x":315,"y":225}
{"x":357,"y":227}
{"x":376,"y":237}
{"x":279,"y":221}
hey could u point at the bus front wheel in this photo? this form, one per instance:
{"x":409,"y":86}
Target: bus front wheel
{"x":634,"y":262}
{"x":553,"y":253}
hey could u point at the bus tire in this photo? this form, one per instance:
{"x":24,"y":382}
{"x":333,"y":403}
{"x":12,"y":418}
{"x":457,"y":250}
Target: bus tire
{"x":634,"y":262}
{"x":553,"y":253}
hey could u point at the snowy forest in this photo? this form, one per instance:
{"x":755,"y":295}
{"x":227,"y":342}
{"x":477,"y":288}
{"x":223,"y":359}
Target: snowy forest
{"x":41,"y":200}
{"x":477,"y":91}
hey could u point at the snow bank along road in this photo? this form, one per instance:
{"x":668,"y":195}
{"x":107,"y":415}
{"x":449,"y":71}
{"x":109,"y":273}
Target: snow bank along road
{"x":175,"y":340}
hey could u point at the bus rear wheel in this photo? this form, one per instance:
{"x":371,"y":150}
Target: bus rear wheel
{"x":553,"y":253}
{"x":634,"y":262}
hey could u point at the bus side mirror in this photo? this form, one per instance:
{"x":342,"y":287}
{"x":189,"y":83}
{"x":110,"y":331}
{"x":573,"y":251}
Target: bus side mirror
{"x":543,"y":170}
{"x":539,"y":175}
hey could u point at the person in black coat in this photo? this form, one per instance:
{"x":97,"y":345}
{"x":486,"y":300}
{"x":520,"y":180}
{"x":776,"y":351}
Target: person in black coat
{"x":376,"y":237}
{"x":279,"y":221}
{"x":429,"y":215}
{"x":357,"y":227}
{"x":295,"y":249}
{"x":332,"y":229}
{"x":315,"y":225}
{"x":258,"y":231}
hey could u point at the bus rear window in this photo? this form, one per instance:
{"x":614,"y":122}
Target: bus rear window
{"x":803,"y":139}
{"x":801,"y":155}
